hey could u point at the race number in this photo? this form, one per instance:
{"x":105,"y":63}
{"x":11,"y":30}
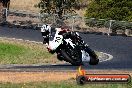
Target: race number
{"x":57,"y":39}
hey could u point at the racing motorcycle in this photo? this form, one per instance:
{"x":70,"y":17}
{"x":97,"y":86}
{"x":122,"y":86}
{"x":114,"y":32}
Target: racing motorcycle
{"x":68,"y":46}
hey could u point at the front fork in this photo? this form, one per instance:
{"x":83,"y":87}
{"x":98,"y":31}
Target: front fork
{"x":85,"y":56}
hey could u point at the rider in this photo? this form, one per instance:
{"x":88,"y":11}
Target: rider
{"x":46,"y":31}
{"x":50,"y":35}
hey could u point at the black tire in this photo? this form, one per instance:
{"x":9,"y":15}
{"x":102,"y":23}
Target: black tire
{"x":93,"y":57}
{"x":93,"y":61}
{"x":70,"y":60}
{"x":60,"y":57}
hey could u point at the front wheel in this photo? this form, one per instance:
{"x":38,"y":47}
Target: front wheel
{"x":93,"y":57}
{"x":70,"y":59}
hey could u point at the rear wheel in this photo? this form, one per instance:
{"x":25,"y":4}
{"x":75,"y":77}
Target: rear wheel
{"x":93,"y":61}
{"x":93,"y":57}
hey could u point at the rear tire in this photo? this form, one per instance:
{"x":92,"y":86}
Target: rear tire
{"x":93,"y":61}
{"x":93,"y":57}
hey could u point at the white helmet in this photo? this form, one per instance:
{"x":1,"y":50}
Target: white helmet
{"x":45,"y":28}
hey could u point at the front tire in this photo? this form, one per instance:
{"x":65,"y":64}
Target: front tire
{"x":70,"y":60}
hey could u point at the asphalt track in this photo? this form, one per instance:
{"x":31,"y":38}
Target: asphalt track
{"x":118,"y":46}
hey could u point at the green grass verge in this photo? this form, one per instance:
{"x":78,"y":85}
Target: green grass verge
{"x":22,"y":52}
{"x":16,"y":52}
{"x":64,"y":84}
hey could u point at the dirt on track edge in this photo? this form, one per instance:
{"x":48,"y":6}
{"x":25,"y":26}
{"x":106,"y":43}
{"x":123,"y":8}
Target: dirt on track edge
{"x":25,"y":77}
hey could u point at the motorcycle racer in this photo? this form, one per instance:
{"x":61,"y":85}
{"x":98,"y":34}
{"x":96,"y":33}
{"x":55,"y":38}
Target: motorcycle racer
{"x":68,"y":45}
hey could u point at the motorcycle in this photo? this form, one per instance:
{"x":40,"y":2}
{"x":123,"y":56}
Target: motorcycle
{"x":69,"y":46}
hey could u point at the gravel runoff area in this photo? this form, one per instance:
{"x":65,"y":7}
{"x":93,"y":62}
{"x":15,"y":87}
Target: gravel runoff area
{"x":25,"y":77}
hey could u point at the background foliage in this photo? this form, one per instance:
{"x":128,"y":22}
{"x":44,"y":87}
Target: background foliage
{"x":57,"y":6}
{"x":110,"y":9}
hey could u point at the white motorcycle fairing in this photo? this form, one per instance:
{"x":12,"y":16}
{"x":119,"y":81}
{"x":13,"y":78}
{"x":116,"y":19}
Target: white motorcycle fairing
{"x":56,"y":41}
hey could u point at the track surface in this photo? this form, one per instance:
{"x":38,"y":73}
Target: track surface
{"x":118,"y":46}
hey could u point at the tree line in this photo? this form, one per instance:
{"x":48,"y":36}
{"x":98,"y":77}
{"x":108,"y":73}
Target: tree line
{"x":100,"y":9}
{"x":110,"y":9}
{"x":5,"y":3}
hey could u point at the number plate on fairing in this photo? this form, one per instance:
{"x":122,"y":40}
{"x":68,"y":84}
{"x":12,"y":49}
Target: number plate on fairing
{"x":56,"y":42}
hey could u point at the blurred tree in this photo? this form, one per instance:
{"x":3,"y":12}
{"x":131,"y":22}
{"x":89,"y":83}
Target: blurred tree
{"x":110,"y":9}
{"x":60,"y":7}
{"x":6,"y":3}
{"x":3,"y":4}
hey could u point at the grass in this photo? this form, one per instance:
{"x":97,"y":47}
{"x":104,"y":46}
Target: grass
{"x":63,"y":84}
{"x":16,"y":52}
{"x":22,"y":52}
